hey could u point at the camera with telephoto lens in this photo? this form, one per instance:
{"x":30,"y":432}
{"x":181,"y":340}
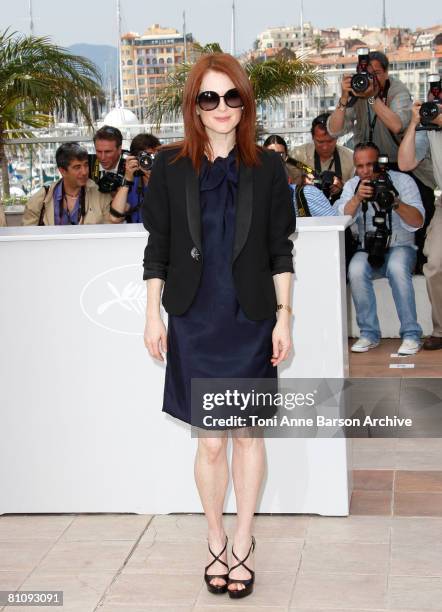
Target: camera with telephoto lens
{"x":384,"y":192}
{"x":429,"y":111}
{"x":376,"y":242}
{"x":111,"y":181}
{"x":361,"y":81}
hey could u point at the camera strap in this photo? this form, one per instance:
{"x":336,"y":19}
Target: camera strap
{"x":336,"y":162}
{"x":301,"y":203}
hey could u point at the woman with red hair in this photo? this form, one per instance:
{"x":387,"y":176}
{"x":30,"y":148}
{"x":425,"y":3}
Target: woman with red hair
{"x":219,"y":215}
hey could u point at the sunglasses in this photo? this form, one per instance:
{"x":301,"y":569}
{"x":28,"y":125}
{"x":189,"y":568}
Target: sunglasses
{"x":209,"y":100}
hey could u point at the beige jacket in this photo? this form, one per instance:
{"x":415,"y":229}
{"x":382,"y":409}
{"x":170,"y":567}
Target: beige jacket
{"x":306,"y":154}
{"x":97,"y":206}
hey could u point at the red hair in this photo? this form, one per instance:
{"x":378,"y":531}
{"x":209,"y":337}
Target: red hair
{"x":196,"y":141}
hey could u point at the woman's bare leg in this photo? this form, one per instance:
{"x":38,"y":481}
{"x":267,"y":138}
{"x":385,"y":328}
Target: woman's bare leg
{"x":212,"y":476}
{"x":248,"y":464}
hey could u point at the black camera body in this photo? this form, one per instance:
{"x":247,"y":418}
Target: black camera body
{"x":384,"y":192}
{"x":429,"y":111}
{"x":376,"y":242}
{"x":145,"y":160}
{"x":111,"y":181}
{"x":324,"y":182}
{"x":361,"y":81}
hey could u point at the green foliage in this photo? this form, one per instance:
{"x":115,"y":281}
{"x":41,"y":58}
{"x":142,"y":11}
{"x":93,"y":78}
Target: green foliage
{"x":38,"y":78}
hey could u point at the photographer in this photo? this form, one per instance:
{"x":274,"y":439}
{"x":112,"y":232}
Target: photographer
{"x":74,"y":199}
{"x":308,"y":200}
{"x":414,"y":147}
{"x":108,"y":143}
{"x":380,"y":114}
{"x":388,"y":210}
{"x":127,"y":202}
{"x":330,"y":160}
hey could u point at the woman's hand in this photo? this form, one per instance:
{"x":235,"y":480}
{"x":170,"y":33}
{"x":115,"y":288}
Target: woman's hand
{"x":155,"y":337}
{"x":281,"y":339}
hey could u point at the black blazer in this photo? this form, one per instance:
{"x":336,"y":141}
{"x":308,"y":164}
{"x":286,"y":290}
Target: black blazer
{"x":265,"y":219}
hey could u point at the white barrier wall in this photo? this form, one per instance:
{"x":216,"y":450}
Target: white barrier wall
{"x":80,"y":417}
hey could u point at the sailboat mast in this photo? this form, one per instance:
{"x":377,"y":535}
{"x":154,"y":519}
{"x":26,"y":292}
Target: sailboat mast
{"x":185,"y":37}
{"x":120,"y":69}
{"x":233,"y":31}
{"x":31,"y":19}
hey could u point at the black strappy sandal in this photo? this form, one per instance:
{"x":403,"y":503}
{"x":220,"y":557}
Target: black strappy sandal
{"x":216,"y":588}
{"x":248,"y":583}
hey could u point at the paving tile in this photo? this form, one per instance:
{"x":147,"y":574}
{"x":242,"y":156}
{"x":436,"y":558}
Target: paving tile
{"x":351,"y":528}
{"x":416,"y":560}
{"x":415,"y":593}
{"x":271,"y":589}
{"x":130,"y":591}
{"x":373,"y":480}
{"x":357,"y":591}
{"x":81,"y":591}
{"x":11,"y":580}
{"x":68,"y":557}
{"x":160,"y":557}
{"x":417,"y":531}
{"x":231,"y":607}
{"x":106,"y":527}
{"x":32,"y":527}
{"x":22,"y":555}
{"x":175,"y":527}
{"x":143,"y":608}
{"x":345,"y":558}
{"x":371,"y":503}
{"x":419,"y":454}
{"x":283,"y":527}
{"x":374,"y":453}
{"x":417,"y":504}
{"x":418,"y":481}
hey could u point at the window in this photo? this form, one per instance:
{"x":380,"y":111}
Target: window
{"x":154,"y":61}
{"x":169,"y":60}
{"x":161,"y":60}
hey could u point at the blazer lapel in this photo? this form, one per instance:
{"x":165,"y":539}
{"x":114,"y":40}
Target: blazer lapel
{"x":193,"y":204}
{"x":243,"y":208}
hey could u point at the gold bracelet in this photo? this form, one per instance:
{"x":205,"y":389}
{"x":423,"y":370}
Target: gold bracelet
{"x":285,"y":306}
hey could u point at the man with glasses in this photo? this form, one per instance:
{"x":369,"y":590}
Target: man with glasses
{"x":323,"y":154}
{"x":381,"y":115}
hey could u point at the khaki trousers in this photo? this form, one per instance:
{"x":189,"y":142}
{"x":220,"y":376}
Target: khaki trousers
{"x":433,"y":268}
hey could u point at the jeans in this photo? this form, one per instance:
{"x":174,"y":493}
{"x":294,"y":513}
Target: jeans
{"x":398,"y":268}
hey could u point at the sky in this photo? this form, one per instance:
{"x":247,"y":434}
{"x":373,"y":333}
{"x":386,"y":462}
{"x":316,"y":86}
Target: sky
{"x":94,"y":21}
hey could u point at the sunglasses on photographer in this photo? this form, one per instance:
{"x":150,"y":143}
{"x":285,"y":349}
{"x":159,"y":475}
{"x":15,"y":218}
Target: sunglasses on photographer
{"x":209,"y":100}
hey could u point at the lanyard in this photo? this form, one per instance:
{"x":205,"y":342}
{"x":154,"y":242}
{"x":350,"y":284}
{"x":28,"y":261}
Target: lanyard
{"x":336,"y":161}
{"x":372,"y":121}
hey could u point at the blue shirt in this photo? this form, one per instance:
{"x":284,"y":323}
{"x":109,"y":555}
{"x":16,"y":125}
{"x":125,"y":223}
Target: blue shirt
{"x":67,"y":218}
{"x":318,"y":204}
{"x":402,"y":234}
{"x":135,"y":199}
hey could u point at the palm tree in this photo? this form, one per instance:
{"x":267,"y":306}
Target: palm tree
{"x":38,"y":78}
{"x":271,"y":79}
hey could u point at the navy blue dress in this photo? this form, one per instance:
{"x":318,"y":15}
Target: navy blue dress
{"x":214,"y":338}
